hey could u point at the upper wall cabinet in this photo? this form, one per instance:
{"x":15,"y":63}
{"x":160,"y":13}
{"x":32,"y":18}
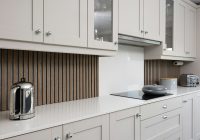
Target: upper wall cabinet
{"x":179,"y":42}
{"x":65,"y":22}
{"x":103,"y":24}
{"x":140,"y":18}
{"x":21,"y":20}
{"x":60,"y":25}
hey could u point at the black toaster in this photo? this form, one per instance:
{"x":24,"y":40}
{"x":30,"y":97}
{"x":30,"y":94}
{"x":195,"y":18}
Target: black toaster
{"x":188,"y":80}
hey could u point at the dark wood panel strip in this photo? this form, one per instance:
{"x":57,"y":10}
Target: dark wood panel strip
{"x":74,"y":77}
{"x":56,"y":78}
{"x":21,"y":65}
{"x":64,"y":78}
{"x":60,"y":78}
{"x":35,"y":77}
{"x":4,"y":79}
{"x":39,"y":78}
{"x":68,"y":77}
{"x":71,"y":82}
{"x":81,"y":77}
{"x":9,"y":84}
{"x":48,"y":78}
{"x":77,"y":77}
{"x":44,"y":78}
{"x":25,"y":65}
{"x":52,"y":78}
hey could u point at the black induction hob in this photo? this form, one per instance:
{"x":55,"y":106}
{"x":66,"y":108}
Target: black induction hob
{"x":138,"y":94}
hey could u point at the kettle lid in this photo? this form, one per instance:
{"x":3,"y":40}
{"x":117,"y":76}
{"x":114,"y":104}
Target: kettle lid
{"x":23,"y":84}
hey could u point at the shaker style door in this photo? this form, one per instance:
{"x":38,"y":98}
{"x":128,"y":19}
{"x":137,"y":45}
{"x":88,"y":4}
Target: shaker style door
{"x":125,"y":125}
{"x":152,"y":19}
{"x":65,"y":22}
{"x":90,"y":129}
{"x":103,"y":24}
{"x":21,"y":20}
{"x":130,"y":17}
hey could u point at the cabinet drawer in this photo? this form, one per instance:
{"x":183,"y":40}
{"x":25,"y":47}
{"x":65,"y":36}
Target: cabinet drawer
{"x":163,"y":126}
{"x":47,"y":134}
{"x":154,"y":109}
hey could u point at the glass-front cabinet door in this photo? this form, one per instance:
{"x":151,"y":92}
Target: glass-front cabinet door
{"x":103,"y":24}
{"x":169,"y":27}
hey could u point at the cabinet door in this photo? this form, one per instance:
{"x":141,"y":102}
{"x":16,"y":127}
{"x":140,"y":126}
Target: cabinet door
{"x":65,"y":22}
{"x":103,"y":24}
{"x":190,"y":31}
{"x":125,"y":125}
{"x":179,"y":27}
{"x":130,"y":17}
{"x":162,"y":126}
{"x":91,"y":129}
{"x":21,"y":20}
{"x":48,"y":134}
{"x":197,"y":116}
{"x":188,"y":118}
{"x":152,"y":19}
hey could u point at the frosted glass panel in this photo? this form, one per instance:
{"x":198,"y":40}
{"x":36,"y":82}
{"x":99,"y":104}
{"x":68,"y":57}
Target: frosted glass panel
{"x":169,"y":24}
{"x":103,"y":23}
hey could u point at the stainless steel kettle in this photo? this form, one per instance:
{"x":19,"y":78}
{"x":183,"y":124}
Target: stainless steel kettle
{"x":22,"y":101}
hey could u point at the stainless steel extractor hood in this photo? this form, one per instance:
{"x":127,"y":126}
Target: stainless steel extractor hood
{"x":135,"y":41}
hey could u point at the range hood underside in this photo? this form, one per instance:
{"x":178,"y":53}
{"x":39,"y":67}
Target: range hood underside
{"x":135,"y":41}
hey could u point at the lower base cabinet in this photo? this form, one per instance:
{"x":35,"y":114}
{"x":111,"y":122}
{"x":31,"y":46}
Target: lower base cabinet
{"x":125,"y":125}
{"x":47,"y":134}
{"x":197,"y":116}
{"x":188,"y":117}
{"x":167,"y":126}
{"x":91,"y":129}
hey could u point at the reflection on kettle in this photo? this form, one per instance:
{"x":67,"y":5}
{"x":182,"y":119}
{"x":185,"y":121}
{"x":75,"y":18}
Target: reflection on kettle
{"x":22,"y":101}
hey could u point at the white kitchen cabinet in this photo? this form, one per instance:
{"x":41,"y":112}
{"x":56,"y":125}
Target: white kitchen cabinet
{"x":140,"y":18}
{"x":125,"y":125}
{"x":21,"y":20}
{"x":152,"y":19}
{"x":180,"y":32}
{"x":47,"y":134}
{"x":197,"y":116}
{"x":130,"y":21}
{"x":65,"y":22}
{"x":188,"y":117}
{"x":103,"y":24}
{"x":91,"y":129}
{"x":190,"y":31}
{"x":167,"y":126}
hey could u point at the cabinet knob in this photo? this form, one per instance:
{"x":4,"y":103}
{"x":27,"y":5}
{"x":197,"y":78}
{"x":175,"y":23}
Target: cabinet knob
{"x":146,"y":32}
{"x":58,"y":138}
{"x":187,"y":52}
{"x":164,"y":117}
{"x":185,"y":101}
{"x":48,"y":33}
{"x":38,"y":31}
{"x":115,"y":42}
{"x":69,"y":136}
{"x":165,"y":107}
{"x":138,"y":115}
{"x":142,"y":31}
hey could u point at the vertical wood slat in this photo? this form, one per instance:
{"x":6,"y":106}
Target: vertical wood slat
{"x":56,"y":77}
{"x":156,"y":69}
{"x":4,"y":79}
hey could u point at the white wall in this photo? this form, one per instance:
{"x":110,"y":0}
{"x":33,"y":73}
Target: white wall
{"x":122,"y":72}
{"x":194,"y":67}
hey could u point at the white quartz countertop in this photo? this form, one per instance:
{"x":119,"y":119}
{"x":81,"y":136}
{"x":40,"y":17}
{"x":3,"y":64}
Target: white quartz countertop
{"x":62,"y":113}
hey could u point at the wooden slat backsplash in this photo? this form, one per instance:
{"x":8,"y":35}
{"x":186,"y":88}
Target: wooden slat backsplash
{"x":156,"y":69}
{"x":56,"y":77}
